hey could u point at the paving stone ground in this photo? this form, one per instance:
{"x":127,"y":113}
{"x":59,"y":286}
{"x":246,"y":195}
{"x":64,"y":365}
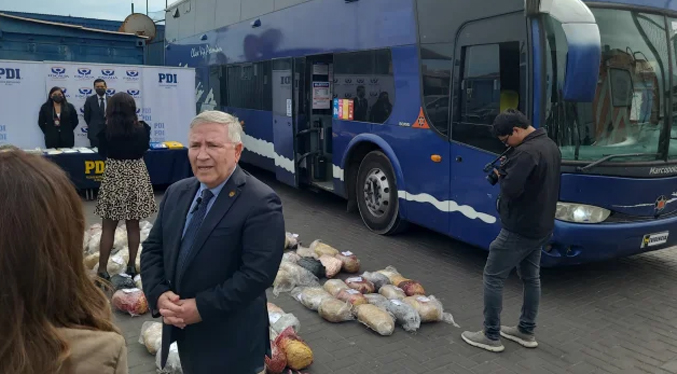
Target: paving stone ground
{"x":613,"y":317}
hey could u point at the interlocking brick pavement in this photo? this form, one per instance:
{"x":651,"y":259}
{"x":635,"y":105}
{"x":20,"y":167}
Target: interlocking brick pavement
{"x":614,"y":317}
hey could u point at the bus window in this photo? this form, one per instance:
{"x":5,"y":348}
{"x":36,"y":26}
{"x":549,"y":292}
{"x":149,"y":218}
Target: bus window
{"x":436,"y":74}
{"x":367,"y":78}
{"x":249,"y":86}
{"x":491,"y":82}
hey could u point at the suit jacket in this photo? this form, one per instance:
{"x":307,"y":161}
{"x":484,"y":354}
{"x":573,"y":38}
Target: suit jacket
{"x":62,"y":136}
{"x":94,"y":116}
{"x":95,"y":352}
{"x":235,"y":257}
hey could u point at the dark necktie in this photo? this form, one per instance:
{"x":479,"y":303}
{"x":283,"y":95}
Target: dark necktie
{"x":193,"y":227}
{"x":101,"y":105}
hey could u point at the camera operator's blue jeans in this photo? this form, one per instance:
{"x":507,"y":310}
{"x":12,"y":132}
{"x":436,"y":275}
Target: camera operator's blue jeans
{"x":506,"y":252}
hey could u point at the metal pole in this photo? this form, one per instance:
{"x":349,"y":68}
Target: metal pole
{"x":146,"y":7}
{"x":132,"y":7}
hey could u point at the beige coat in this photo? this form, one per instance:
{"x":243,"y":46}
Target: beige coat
{"x":96,"y":352}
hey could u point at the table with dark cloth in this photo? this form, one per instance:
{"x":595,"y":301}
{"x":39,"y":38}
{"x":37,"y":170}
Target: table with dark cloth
{"x":165,"y":167}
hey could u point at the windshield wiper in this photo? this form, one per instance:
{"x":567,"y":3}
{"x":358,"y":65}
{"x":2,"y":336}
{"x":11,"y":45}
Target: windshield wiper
{"x":609,"y":157}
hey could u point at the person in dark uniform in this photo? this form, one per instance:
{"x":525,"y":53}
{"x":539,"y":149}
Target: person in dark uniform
{"x":95,"y":112}
{"x":361,"y":105}
{"x":57,"y":120}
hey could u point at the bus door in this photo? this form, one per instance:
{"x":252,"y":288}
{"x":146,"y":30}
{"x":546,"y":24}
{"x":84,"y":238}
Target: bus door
{"x":284,"y":121}
{"x":489,"y":77}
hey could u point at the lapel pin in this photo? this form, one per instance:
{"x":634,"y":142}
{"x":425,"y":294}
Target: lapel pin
{"x":231,"y":194}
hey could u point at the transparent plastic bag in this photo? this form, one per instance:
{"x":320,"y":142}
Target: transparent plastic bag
{"x":306,"y":252}
{"x":299,"y":355}
{"x":376,"y":319}
{"x":277,"y":362}
{"x":314,"y":266}
{"x":91,"y":260}
{"x":376,"y":299}
{"x":310,"y":297}
{"x":391,"y":292}
{"x":85,"y":240}
{"x":120,"y":239}
{"x":351,"y":296}
{"x":122,"y":281}
{"x":334,"y":286}
{"x":117,"y":263}
{"x":430,"y":309}
{"x":360,"y":284}
{"x":351,"y":264}
{"x":405,"y":314}
{"x":131,"y":301}
{"x":291,"y":275}
{"x":291,"y":240}
{"x":151,"y":336}
{"x":377,"y":279}
{"x":395,"y":277}
{"x":332,"y":265}
{"x":280,"y":321}
{"x":94,"y":242}
{"x":272,"y":308}
{"x":137,"y":282}
{"x":323,"y":249}
{"x":173,"y":365}
{"x":292,"y":257}
{"x":335,"y":310}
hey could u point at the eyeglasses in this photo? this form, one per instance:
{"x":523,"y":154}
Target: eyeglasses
{"x":505,"y":140}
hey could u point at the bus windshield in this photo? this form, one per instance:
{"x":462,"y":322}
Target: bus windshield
{"x":628,"y":114}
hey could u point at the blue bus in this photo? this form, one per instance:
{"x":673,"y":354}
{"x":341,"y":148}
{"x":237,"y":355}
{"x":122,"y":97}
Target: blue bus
{"x":388,"y":103}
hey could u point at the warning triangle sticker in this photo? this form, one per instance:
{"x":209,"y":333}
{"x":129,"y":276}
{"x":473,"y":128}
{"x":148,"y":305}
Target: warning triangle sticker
{"x":421,"y":122}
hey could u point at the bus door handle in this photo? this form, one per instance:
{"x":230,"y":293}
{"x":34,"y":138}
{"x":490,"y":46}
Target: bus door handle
{"x":459,"y":159}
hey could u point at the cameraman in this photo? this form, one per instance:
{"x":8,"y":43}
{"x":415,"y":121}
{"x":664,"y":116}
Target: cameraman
{"x":529,"y":180}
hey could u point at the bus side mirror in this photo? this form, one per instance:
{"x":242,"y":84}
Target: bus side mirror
{"x":583,"y":42}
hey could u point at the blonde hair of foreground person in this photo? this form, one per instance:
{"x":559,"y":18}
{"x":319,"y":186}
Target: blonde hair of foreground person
{"x":53,"y":319}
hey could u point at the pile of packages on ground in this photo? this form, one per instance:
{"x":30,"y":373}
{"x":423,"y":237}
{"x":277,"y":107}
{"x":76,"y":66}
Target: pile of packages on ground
{"x":128,"y":297}
{"x":379,"y":299}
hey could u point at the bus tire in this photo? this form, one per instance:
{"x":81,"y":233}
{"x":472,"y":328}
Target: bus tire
{"x":376,"y":193}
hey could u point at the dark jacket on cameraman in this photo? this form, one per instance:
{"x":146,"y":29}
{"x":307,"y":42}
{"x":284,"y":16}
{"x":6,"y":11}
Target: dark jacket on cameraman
{"x":530,"y":186}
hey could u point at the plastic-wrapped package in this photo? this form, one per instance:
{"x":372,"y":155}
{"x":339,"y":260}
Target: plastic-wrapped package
{"x":131,"y":301}
{"x":332,"y":265}
{"x":430,"y":309}
{"x":291,"y":240}
{"x":334,"y":310}
{"x":122,"y":281}
{"x":91,"y":260}
{"x":334,"y":286}
{"x":314,"y":266}
{"x":306,"y":252}
{"x":391,"y":292}
{"x":351,"y":264}
{"x":278,"y":362}
{"x":280,"y":321}
{"x":377,"y":279}
{"x":351,"y":296}
{"x":145,"y":227}
{"x":412,"y":288}
{"x":272,"y":308}
{"x":94,"y":242}
{"x":405,"y":314}
{"x":137,"y":263}
{"x":173,"y":365}
{"x":310,"y":297}
{"x":137,"y":282}
{"x":120,"y":239}
{"x":376,"y":319}
{"x":151,"y":336}
{"x":299,"y":355}
{"x":118,"y":262}
{"x":291,"y":275}
{"x":395,"y":277}
{"x":323,"y":249}
{"x":85,"y":240}
{"x":360,"y":284}
{"x":292,"y":257}
{"x":376,"y":299}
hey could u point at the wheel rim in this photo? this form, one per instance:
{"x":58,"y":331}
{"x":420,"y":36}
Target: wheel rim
{"x":376,"y":191}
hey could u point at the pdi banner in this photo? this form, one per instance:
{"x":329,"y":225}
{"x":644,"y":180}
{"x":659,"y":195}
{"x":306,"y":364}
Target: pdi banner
{"x":22,"y":89}
{"x":168,"y":102}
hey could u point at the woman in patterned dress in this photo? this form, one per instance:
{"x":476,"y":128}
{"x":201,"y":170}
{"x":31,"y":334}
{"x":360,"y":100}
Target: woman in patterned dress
{"x":126,"y":192}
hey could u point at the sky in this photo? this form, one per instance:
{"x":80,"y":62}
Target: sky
{"x":104,"y":9}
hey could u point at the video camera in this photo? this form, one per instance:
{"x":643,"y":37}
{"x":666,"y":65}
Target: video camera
{"x":491,"y":177}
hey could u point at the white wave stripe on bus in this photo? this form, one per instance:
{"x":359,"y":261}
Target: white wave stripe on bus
{"x":267,"y":150}
{"x":448,"y":206}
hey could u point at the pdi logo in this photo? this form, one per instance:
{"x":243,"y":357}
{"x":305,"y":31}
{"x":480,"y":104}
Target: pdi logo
{"x":135,"y":93}
{"x":108,"y":72}
{"x":58,"y":72}
{"x":65,"y":92}
{"x":348,"y":80}
{"x":168,"y":79}
{"x":110,"y":91}
{"x":10,"y":74}
{"x":85,"y":91}
{"x":132,"y":73}
{"x":374,"y":80}
{"x":360,"y":80}
{"x":84,"y":71}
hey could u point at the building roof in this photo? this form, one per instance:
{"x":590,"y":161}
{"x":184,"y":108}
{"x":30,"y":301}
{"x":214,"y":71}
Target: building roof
{"x":74,"y":26}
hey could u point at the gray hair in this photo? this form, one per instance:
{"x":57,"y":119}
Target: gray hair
{"x":221,"y":118}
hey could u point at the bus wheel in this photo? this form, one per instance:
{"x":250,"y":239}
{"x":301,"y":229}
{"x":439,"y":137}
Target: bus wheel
{"x":376,"y":192}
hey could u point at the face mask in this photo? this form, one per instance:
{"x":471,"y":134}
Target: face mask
{"x":100,"y":91}
{"x":57,"y":99}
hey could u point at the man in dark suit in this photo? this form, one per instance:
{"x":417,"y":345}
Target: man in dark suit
{"x":95,"y":112}
{"x":215,"y":248}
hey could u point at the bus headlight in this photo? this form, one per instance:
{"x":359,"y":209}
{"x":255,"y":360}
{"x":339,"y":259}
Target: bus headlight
{"x":581,"y":213}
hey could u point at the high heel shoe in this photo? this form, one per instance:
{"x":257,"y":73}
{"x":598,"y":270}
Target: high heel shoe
{"x":131,"y":271}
